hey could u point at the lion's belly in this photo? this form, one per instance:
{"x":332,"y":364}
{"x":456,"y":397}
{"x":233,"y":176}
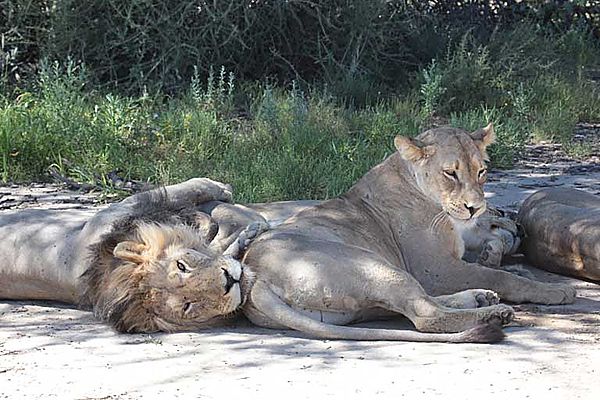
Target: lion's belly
{"x":328,"y":317}
{"x":35,"y":250}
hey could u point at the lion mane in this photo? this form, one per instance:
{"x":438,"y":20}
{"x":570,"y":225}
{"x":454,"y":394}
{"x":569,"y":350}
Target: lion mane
{"x":122,"y":290}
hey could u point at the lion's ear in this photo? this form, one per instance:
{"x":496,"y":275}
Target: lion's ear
{"x":484,"y":137}
{"x":130,"y":251}
{"x":411,"y":150}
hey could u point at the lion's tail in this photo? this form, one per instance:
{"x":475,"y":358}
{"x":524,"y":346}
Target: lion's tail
{"x":272,"y":306}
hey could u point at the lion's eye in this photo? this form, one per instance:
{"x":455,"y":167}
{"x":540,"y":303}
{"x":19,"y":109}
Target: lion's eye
{"x":182,"y":266}
{"x":450,"y":173}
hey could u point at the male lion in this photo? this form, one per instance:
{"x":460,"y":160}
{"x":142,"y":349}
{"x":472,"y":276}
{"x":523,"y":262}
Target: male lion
{"x":144,"y":264}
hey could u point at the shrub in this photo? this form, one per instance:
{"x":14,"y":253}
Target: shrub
{"x":283,"y":99}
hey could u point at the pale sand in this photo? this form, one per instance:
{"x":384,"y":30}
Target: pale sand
{"x":49,"y":351}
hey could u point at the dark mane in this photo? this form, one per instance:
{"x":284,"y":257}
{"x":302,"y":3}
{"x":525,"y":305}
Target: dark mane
{"x":112,"y":294}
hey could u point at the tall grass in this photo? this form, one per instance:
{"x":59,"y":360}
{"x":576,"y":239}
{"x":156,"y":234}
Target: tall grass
{"x":286,"y":139}
{"x":270,"y":142}
{"x":288,"y":145}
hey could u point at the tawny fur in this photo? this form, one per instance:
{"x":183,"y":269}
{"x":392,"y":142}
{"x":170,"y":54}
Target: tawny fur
{"x":128,"y":294}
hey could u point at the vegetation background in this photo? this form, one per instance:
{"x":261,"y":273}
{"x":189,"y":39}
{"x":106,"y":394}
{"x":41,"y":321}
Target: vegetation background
{"x":283,"y":99}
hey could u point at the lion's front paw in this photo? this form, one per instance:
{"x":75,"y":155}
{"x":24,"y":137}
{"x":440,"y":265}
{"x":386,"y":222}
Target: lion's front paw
{"x":470,"y":298}
{"x":486,"y":298}
{"x":491,"y":255}
{"x":252,"y":231}
{"x":561,"y":294}
{"x":501,"y":314}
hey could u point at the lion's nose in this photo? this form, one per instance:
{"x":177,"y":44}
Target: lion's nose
{"x":472,"y":209}
{"x":230,"y":280}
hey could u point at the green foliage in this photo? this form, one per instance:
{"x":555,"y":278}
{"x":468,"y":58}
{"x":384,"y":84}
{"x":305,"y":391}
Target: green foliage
{"x":355,"y":46}
{"x":292,"y":145}
{"x":431,"y":89}
{"x":25,"y":30}
{"x":162,"y":42}
{"x":284,"y":99}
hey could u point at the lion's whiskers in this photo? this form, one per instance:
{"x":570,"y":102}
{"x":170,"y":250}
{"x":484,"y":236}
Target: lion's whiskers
{"x":437,"y":220}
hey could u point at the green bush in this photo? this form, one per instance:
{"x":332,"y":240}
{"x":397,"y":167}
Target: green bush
{"x":160,"y":42}
{"x":25,"y":27}
{"x":284,"y":99}
{"x":291,"y":145}
{"x":357,"y":47}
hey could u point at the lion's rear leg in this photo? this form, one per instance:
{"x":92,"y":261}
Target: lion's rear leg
{"x":403,"y":294}
{"x":429,"y":316}
{"x":330,"y":276}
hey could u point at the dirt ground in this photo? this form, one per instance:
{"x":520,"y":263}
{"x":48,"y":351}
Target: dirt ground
{"x":551,"y":352}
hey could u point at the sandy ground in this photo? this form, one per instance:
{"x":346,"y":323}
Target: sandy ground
{"x":551,"y":352}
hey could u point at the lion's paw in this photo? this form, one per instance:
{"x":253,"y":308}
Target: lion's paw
{"x":252,"y":231}
{"x":561,"y":294}
{"x":491,"y":255}
{"x":486,"y":298}
{"x":500,"y":314}
{"x":470,"y":298}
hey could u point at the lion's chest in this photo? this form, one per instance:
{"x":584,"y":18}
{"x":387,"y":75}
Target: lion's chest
{"x":420,"y":239}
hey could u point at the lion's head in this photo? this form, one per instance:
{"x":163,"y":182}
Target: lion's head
{"x":163,"y":277}
{"x":449,"y":166}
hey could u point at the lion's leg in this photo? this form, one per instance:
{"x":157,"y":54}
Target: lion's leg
{"x":237,"y":227}
{"x":404,"y":294}
{"x":245,"y":237}
{"x":471,"y":298}
{"x":457,"y":275}
{"x":192,"y":191}
{"x":330,"y":276}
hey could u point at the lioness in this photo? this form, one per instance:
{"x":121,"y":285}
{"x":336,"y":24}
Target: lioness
{"x":392,"y":243}
{"x":562,"y":229}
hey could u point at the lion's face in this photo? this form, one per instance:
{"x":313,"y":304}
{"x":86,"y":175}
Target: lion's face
{"x":170,"y":281}
{"x":449,"y":167}
{"x":190,"y":286}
